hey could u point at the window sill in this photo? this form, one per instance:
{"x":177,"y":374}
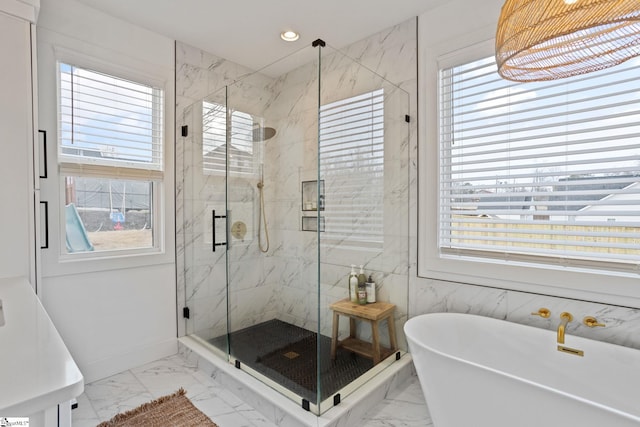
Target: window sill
{"x":111,"y":260}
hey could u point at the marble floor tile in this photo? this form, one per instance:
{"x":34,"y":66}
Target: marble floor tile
{"x":84,"y":415}
{"x":403,"y":407}
{"x":105,"y":398}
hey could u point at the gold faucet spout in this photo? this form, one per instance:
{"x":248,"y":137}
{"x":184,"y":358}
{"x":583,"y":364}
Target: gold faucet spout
{"x":565,"y":318}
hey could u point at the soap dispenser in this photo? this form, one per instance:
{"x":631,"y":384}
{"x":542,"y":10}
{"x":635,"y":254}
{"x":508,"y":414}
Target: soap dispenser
{"x":361,"y":277}
{"x":353,"y":285}
{"x":362,"y":291}
{"x":371,"y":290}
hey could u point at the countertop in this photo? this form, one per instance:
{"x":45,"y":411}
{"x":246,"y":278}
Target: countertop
{"x":37,"y":371}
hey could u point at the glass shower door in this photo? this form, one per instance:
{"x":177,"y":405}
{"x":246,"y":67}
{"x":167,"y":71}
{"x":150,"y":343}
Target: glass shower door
{"x":205,"y":223}
{"x":273,"y":267}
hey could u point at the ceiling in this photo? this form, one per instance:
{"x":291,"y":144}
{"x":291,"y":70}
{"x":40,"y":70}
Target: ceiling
{"x":248,"y":31}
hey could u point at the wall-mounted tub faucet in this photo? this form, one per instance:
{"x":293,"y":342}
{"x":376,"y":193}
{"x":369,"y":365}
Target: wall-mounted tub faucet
{"x":565,"y":317}
{"x":592,"y":322}
{"x":545,"y":313}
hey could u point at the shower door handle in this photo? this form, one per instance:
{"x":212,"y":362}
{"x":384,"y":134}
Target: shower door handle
{"x":213,"y":230}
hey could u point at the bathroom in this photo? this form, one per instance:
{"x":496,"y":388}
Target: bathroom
{"x":124,"y":313}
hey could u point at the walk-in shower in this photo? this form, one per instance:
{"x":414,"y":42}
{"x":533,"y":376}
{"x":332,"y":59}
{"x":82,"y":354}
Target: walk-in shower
{"x":290,"y":175}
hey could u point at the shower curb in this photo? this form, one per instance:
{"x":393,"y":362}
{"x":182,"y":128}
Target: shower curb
{"x":284,"y":412}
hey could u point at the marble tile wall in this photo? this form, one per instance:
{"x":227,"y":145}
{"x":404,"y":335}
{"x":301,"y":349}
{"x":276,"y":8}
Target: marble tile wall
{"x":622,"y":323}
{"x":381,"y":54}
{"x":283,"y":282}
{"x":199,"y":75}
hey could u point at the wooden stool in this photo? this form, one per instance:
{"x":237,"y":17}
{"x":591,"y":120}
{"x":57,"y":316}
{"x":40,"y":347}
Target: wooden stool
{"x":373,"y":313}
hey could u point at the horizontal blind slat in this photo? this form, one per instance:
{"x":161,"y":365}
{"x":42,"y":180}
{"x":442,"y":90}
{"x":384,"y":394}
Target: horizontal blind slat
{"x":108,"y":120}
{"x":351,"y":153}
{"x":543,"y":155}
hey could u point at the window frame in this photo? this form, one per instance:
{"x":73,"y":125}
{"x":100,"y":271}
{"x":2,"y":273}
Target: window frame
{"x":157,"y":177}
{"x":587,"y":283}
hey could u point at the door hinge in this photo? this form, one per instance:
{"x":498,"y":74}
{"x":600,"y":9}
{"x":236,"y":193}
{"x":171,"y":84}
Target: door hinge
{"x":185,"y":130}
{"x":185,"y":312}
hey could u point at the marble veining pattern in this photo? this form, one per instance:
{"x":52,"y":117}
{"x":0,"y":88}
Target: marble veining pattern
{"x":431,"y":296}
{"x":402,"y":404}
{"x":124,"y":391}
{"x":289,"y":103}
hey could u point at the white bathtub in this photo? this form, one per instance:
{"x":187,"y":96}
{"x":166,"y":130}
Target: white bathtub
{"x":482,"y":372}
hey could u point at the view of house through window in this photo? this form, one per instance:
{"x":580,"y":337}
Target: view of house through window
{"x":540,"y":171}
{"x":110,"y":155}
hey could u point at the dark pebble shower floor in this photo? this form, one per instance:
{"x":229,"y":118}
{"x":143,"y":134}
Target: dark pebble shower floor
{"x":287,"y":354}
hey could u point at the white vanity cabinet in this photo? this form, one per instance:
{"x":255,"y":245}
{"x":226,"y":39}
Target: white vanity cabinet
{"x":37,"y":371}
{"x":38,"y":376}
{"x":18,"y":191}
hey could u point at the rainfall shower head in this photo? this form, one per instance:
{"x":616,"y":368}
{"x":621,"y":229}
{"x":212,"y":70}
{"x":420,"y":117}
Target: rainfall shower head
{"x":262,"y":133}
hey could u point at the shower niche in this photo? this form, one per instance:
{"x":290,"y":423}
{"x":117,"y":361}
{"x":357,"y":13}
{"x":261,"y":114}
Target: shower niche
{"x":291,"y":149}
{"x":312,"y":196}
{"x":312,"y":206}
{"x":310,"y":223}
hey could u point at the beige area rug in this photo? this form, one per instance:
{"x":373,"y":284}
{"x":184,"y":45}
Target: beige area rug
{"x":175,"y":410}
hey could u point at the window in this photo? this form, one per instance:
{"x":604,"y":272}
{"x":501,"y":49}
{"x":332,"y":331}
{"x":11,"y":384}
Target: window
{"x":110,"y":155}
{"x":352,"y":165}
{"x":540,"y":172}
{"x":243,"y":148}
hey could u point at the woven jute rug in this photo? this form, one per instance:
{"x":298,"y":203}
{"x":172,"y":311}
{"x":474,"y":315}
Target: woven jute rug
{"x":174,"y":410}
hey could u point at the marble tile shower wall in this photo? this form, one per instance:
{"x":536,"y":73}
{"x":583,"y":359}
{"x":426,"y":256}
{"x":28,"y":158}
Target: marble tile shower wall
{"x":341,"y":77}
{"x":290,"y":158}
{"x":286,"y":288}
{"x":252,"y":295}
{"x":391,"y":54}
{"x":199,"y":74}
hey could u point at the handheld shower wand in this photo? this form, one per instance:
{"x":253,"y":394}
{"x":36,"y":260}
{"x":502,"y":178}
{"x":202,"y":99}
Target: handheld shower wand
{"x":262,"y":218}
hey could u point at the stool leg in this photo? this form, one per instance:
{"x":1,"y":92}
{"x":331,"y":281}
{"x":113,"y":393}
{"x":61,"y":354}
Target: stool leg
{"x":375,"y":341}
{"x":392,"y":333}
{"x":352,"y":327}
{"x":334,"y":336}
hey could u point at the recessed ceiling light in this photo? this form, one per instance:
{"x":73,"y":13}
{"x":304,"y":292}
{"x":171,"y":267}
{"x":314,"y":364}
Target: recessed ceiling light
{"x":289,"y":36}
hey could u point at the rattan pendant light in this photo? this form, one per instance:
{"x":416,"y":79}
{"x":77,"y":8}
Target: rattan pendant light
{"x":552,"y":39}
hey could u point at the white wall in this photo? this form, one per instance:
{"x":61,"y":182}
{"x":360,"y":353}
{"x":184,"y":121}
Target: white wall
{"x":451,"y":27}
{"x":25,"y":9}
{"x":118,"y":313}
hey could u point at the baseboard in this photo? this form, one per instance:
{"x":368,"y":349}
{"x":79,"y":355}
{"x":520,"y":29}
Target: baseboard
{"x":139,"y":356}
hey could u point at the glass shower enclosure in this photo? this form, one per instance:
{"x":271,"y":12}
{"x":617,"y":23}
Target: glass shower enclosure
{"x":291,"y":175}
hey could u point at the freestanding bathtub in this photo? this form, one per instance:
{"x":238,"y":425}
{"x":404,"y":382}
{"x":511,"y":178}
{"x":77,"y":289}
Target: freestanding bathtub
{"x":481,"y":372}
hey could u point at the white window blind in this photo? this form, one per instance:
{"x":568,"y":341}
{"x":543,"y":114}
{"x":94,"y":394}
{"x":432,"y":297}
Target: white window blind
{"x":243,"y":159}
{"x":544,"y":171}
{"x":352,"y":165}
{"x":108,"y":121}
